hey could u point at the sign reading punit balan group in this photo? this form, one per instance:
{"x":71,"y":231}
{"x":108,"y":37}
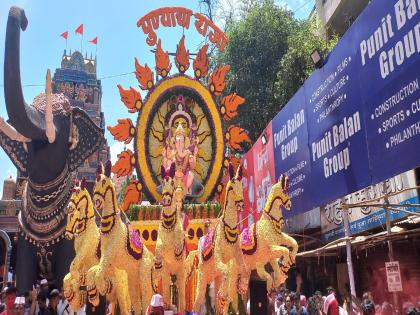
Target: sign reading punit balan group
{"x":389,"y":50}
{"x":336,"y":135}
{"x":290,"y":134}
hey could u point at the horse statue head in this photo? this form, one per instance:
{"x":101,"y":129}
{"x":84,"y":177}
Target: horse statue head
{"x":80,"y":210}
{"x":168,"y":186}
{"x":234,"y":190}
{"x":278,"y":198}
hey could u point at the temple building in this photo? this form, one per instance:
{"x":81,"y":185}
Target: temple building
{"x":77,"y":79}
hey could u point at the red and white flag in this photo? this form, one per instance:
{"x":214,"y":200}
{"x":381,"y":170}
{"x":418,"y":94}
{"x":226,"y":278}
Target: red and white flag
{"x":65,"y":34}
{"x":79,"y":29}
{"x":94,"y":41}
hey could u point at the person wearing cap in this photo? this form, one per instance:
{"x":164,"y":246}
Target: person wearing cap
{"x":156,"y":306}
{"x":10,"y":293}
{"x":20,"y":305}
{"x":44,"y":286}
{"x":54,"y":300}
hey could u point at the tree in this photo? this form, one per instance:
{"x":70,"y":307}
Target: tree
{"x":256,"y":44}
{"x":296,"y":66}
{"x":269,"y":54}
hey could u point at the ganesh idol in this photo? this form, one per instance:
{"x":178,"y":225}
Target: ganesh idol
{"x":181,"y":146}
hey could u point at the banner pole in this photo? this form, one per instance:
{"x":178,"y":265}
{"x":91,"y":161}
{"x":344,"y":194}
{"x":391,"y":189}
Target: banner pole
{"x":345,"y":216}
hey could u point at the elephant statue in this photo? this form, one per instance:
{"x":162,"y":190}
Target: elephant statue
{"x":46,"y":141}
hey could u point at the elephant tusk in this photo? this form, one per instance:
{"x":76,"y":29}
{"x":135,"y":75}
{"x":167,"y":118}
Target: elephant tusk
{"x":11,"y":132}
{"x":49,"y":118}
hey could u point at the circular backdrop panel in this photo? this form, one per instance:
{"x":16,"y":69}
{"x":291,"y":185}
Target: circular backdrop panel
{"x":152,"y":124}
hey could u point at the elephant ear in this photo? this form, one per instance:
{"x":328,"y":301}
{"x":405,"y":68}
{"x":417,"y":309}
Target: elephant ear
{"x":90,"y":138}
{"x":15,"y":151}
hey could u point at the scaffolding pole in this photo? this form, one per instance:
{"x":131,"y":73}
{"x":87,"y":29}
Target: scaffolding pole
{"x":345,"y":216}
{"x":389,"y":241}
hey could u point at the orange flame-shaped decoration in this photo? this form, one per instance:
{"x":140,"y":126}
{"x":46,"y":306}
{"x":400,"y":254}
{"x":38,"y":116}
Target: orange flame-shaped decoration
{"x":144,"y":75}
{"x":235,"y":136}
{"x":182,"y":58}
{"x":131,"y":99}
{"x":124,"y":131}
{"x":217,"y":80}
{"x":230,"y":104}
{"x":163,"y":66}
{"x":125,"y":164}
{"x":201,"y":63}
{"x":133,"y":195}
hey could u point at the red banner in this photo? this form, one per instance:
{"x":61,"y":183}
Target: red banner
{"x":264,"y":168}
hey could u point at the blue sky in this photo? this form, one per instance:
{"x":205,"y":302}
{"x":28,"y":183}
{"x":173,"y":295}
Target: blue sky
{"x":119,"y":42}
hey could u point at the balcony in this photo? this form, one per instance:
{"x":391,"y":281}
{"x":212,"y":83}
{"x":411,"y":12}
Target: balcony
{"x":338,"y":15}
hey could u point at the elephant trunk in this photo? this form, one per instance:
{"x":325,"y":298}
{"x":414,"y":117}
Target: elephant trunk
{"x":24,"y":118}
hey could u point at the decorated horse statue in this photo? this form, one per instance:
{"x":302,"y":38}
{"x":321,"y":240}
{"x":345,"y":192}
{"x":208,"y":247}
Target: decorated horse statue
{"x":121,"y":248}
{"x":170,"y":246}
{"x":220,"y":257}
{"x":46,"y":141}
{"x":264,"y":242}
{"x":82,"y":226}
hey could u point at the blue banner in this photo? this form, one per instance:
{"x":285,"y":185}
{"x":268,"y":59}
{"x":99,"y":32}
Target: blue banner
{"x":290,"y":133}
{"x":388,"y":62}
{"x":337,"y":135}
{"x":361,"y":110}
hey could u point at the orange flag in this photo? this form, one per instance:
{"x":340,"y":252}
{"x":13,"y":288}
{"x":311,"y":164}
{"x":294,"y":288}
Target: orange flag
{"x":79,"y":29}
{"x":94,"y":41}
{"x":65,"y":34}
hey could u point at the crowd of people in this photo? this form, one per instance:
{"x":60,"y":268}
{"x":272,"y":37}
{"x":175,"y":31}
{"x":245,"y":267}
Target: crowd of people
{"x":42,"y":301}
{"x":39,"y":301}
{"x":285,"y":302}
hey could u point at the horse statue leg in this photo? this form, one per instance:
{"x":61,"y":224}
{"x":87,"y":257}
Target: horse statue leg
{"x":200,"y":288}
{"x":120,"y":284}
{"x":146,"y":287}
{"x":180,"y":280}
{"x":166,"y":285}
{"x":279,"y":276}
{"x":263,"y":274}
{"x":290,"y":243}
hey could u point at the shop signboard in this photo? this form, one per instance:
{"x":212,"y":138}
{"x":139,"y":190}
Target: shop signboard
{"x":364,"y":218}
{"x":393,"y":276}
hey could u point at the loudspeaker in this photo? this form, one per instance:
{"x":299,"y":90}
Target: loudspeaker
{"x":258,"y":297}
